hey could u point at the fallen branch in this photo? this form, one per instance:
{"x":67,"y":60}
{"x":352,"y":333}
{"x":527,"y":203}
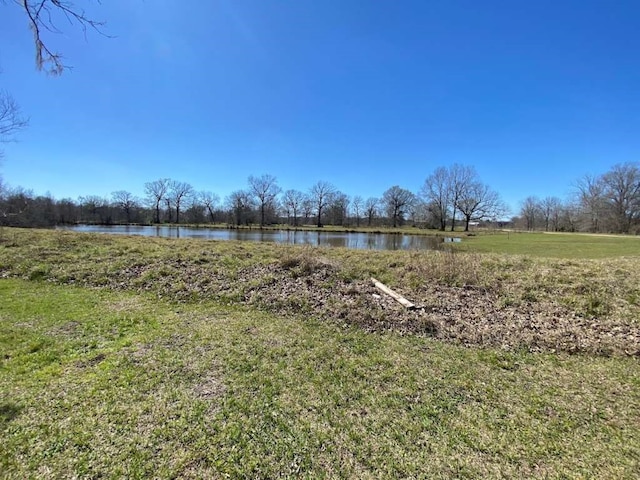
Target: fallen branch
{"x":396,"y":296}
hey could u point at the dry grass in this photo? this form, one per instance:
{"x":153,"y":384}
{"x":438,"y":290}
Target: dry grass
{"x":508,"y":301}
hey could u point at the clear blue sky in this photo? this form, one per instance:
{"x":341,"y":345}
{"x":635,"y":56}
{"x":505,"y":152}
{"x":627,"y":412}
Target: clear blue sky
{"x":363,"y":94}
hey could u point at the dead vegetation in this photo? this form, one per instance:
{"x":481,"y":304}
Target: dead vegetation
{"x":468,"y":314}
{"x":510,"y":302}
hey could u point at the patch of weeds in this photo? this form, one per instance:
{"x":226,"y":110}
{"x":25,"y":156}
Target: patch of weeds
{"x":91,"y":362}
{"x":529,"y":295}
{"x":596,"y":306}
{"x":305,"y":262}
{"x":9,"y":411}
{"x":329,"y":284}
{"x":40,"y":272}
{"x":633,"y":298}
{"x":447,"y":267}
{"x":290,"y":303}
{"x":289,"y":261}
{"x":352,"y":290}
{"x":36,"y":345}
{"x":230,"y":298}
{"x":500,"y":359}
{"x":348,"y":276}
{"x":508,"y":301}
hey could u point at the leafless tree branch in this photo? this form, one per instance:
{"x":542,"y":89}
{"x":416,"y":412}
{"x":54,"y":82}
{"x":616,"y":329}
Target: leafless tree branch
{"x":11,"y":120}
{"x":41,"y":17}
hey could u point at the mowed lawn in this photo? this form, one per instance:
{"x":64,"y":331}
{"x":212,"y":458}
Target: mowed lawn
{"x":103,"y":383}
{"x":552,"y":245}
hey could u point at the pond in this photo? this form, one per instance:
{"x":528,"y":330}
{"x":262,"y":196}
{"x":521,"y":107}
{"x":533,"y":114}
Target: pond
{"x":355,"y":240}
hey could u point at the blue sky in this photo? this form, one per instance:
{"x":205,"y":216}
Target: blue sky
{"x":363,"y":94}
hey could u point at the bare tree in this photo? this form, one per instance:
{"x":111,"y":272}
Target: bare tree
{"x":209,"y":201}
{"x":420,"y":213}
{"x":193,"y":210}
{"x":357,"y":205}
{"x":437,"y":193}
{"x":239,"y":205}
{"x":178,"y":193}
{"x":307,"y":207}
{"x":478,"y":202}
{"x":569,"y":216}
{"x":67,"y":211}
{"x":292,"y":200}
{"x":621,"y":188}
{"x":591,"y":197}
{"x":338,"y":208}
{"x":371,"y":207}
{"x":397,"y":201}
{"x":45,"y":16}
{"x":126,"y":201}
{"x":11,"y":120}
{"x":13,"y":203}
{"x":264,"y":189}
{"x":550,"y":210}
{"x":169,"y":209}
{"x":156,"y":192}
{"x":321,"y":194}
{"x":530,"y":211}
{"x":460,"y":179}
{"x":95,"y":209}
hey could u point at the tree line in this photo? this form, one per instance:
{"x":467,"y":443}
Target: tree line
{"x":605,"y":203}
{"x":451,"y":196}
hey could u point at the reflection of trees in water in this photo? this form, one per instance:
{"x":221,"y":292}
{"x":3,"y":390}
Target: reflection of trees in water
{"x":336,"y":240}
{"x":368,"y":241}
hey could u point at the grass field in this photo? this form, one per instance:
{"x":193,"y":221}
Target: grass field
{"x":133,"y":357}
{"x":553,"y":245}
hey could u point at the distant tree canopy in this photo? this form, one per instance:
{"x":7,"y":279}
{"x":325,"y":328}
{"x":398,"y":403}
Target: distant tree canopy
{"x":450,"y":196}
{"x":458,"y":189}
{"x":606,"y":203}
{"x":397,"y":201}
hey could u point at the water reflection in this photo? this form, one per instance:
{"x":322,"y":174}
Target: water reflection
{"x":361,"y":241}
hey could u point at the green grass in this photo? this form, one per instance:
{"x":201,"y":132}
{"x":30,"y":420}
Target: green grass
{"x":101,"y":383}
{"x":552,"y":245}
{"x":140,"y":357}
